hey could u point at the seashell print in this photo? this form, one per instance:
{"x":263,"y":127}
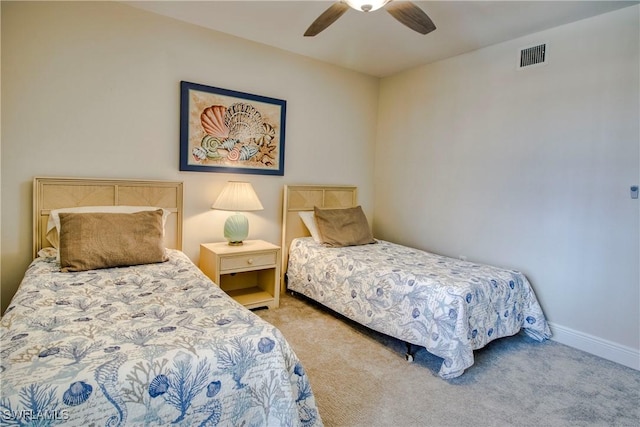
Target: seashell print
{"x":490,"y":332}
{"x":223,"y":322}
{"x":415,"y":313}
{"x":298,"y":370}
{"x":167,"y":329}
{"x":530,"y":320}
{"x":82,"y":319}
{"x":49,"y":352}
{"x":137,"y":315}
{"x":265,"y":345}
{"x":159,"y":385}
{"x":244,"y":121}
{"x":112,"y":349}
{"x":210,"y":144}
{"x":77,"y":393}
{"x":268,"y":133}
{"x":234,"y":155}
{"x":213,"y":121}
{"x":248,"y":151}
{"x":199,"y":154}
{"x":469,"y":297}
{"x":213,"y":388}
{"x":228,"y":144}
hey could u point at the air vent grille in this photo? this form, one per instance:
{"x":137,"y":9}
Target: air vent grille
{"x":535,"y":55}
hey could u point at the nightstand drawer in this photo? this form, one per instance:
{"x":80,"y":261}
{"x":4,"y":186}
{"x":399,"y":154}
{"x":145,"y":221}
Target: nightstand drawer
{"x":248,"y":273}
{"x":248,"y":261}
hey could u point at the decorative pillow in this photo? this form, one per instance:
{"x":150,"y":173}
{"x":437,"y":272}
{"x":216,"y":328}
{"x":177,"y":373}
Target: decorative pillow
{"x":53,"y":224}
{"x":100,"y":240}
{"x":310,"y":222}
{"x":343,"y":227}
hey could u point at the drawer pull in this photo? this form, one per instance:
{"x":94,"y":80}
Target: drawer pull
{"x":250,"y":261}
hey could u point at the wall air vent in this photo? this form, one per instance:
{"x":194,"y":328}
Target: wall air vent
{"x":534,"y":55}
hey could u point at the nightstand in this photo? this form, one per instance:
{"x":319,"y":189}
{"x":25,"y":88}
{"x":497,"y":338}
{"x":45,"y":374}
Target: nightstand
{"x":249,"y":273}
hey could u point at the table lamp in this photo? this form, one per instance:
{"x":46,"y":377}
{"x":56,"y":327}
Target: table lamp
{"x":237,"y":196}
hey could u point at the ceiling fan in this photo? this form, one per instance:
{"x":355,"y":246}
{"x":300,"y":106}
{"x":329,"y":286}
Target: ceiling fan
{"x":404,"y":11}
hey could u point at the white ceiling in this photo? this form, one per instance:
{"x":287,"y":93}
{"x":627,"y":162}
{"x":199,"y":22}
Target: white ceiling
{"x":375,"y":43}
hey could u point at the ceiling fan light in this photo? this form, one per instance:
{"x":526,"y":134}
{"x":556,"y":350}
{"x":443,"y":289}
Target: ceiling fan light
{"x":366,"y":5}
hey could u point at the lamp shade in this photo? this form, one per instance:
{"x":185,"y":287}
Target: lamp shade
{"x":238,"y":196}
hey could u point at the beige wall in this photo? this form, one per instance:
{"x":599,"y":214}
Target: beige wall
{"x":528,"y":169}
{"x":91,"y":89}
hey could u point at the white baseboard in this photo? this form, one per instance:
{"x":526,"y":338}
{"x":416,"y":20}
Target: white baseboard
{"x":615,"y":352}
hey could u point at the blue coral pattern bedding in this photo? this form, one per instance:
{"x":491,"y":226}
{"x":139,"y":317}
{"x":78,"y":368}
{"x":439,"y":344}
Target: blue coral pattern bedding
{"x":157,"y":344}
{"x":448,"y":306}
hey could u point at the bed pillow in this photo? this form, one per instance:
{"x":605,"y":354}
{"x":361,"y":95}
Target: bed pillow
{"x":343,"y":227}
{"x":100,"y":240}
{"x":53,"y":224}
{"x":309,"y":220}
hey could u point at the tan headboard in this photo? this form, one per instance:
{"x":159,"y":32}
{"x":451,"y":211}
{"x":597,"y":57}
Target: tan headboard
{"x":56,"y":193}
{"x":303,"y":198}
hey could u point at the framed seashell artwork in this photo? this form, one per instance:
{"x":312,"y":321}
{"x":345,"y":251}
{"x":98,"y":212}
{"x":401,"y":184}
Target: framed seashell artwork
{"x":223,"y":130}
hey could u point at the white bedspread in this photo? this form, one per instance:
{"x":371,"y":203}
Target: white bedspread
{"x":448,"y":306}
{"x":157,"y":344}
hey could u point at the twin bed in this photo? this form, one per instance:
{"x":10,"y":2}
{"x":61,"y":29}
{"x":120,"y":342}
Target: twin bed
{"x":150,"y":344}
{"x":450,"y":307}
{"x":159,"y":343}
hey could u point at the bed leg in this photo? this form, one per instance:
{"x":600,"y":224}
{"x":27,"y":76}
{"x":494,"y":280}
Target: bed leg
{"x":410,"y":352}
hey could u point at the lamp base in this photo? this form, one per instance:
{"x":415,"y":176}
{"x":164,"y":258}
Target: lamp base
{"x":236,"y":229}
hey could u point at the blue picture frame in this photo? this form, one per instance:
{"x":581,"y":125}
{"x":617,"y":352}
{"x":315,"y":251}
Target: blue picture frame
{"x":227,"y":131}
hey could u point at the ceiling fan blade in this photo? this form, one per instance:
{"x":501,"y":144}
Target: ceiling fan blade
{"x":410,"y":15}
{"x":327,"y":18}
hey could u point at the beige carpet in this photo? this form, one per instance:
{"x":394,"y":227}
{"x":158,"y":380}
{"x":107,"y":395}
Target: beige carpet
{"x":361,"y":378}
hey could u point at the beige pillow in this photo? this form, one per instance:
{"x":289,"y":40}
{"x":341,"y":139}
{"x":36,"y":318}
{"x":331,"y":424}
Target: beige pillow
{"x":99,"y":240}
{"x":343,"y":227}
{"x":53,"y":224}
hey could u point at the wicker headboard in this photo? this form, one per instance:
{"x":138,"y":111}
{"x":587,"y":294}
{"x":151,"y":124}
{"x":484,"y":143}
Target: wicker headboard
{"x":55,"y":193}
{"x":303,"y":198}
